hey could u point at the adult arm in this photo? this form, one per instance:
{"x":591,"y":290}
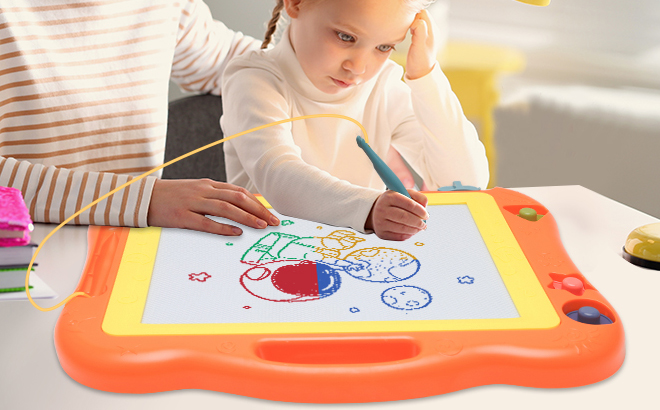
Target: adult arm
{"x":53,"y":194}
{"x":204,"y":47}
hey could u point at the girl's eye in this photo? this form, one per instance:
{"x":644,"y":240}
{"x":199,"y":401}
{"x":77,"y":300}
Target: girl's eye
{"x":345,"y":37}
{"x":385,"y":48}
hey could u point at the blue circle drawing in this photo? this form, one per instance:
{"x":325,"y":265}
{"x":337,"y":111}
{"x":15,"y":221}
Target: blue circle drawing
{"x":381,"y":265}
{"x":406,"y":297}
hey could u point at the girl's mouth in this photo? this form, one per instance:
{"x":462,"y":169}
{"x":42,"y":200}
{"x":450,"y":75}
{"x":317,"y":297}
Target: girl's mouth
{"x":341,"y":84}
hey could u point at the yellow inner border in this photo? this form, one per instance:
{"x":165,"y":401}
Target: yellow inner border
{"x":129,"y":295}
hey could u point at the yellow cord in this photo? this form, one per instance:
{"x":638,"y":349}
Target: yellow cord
{"x":27,"y":277}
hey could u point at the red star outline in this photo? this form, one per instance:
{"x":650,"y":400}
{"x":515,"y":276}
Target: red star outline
{"x":199,"y":277}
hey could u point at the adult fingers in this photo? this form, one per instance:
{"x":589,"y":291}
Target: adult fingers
{"x":226,"y":185}
{"x":201,"y":223}
{"x":245,"y":200}
{"x":223,"y":206}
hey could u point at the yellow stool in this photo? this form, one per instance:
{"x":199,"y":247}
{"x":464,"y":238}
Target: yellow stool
{"x":472,"y":70}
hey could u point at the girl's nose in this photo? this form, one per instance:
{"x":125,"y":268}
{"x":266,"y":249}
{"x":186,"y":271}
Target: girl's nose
{"x":356,"y":63}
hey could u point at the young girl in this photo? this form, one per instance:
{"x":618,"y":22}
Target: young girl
{"x":333,"y":58}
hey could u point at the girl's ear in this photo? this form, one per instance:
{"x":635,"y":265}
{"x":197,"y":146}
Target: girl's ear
{"x":292,"y":7}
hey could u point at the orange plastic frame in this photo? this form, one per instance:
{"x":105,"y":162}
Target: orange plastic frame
{"x":351,"y":366}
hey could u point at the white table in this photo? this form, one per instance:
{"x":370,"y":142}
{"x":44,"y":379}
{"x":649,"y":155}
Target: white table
{"x":593,"y":229}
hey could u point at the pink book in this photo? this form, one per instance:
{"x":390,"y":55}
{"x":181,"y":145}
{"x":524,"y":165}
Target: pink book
{"x":15,"y":222}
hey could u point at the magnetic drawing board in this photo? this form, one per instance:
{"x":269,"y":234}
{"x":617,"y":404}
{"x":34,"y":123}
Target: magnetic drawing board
{"x":224,"y":288}
{"x":310,"y":294}
{"x":203,"y":283}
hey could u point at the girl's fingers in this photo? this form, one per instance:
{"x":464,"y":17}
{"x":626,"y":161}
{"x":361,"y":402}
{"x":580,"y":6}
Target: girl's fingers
{"x":404,"y":221}
{"x":424,"y":16}
{"x":421,"y":26}
{"x":415,"y":206}
{"x":422,"y":53}
{"x":418,"y":31}
{"x":418,"y":197}
{"x":401,"y":228}
{"x":391,"y":236}
{"x":395,"y":231}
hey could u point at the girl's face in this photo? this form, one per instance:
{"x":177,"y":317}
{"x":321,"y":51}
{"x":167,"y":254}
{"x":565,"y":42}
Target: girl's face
{"x":342,"y":43}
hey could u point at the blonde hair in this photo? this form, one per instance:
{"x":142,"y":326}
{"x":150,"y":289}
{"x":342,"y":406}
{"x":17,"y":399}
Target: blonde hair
{"x":415,"y":5}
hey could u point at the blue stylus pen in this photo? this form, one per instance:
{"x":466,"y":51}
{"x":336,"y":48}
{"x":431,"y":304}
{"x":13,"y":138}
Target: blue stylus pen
{"x":392,"y":182}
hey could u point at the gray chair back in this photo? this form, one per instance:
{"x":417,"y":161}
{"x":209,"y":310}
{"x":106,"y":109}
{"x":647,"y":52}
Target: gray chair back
{"x":192,"y":123}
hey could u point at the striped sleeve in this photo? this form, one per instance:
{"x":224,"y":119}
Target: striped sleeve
{"x":204,"y":47}
{"x":54,"y":194}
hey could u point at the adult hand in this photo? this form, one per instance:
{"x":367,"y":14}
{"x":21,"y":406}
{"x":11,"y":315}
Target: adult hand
{"x":183,"y":203}
{"x":423,"y":48}
{"x":396,"y":217}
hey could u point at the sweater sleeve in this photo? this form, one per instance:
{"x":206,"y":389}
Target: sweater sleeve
{"x":272,"y":160}
{"x":204,"y":47}
{"x":54,"y":194}
{"x":433,"y":134}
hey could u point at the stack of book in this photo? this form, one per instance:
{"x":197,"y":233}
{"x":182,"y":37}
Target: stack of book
{"x":16,"y":250}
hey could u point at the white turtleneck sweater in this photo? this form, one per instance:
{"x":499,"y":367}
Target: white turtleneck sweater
{"x":313,"y":169}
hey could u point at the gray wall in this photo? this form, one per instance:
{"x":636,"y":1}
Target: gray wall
{"x":597,"y":42}
{"x":608,"y":43}
{"x":247,"y":16}
{"x":607,"y":140}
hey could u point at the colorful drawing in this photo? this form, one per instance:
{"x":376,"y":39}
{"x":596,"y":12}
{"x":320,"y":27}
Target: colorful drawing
{"x":381,"y":265}
{"x":290,"y":268}
{"x":291,"y":281}
{"x":279,"y":246}
{"x":267,"y":248}
{"x":406,"y":297}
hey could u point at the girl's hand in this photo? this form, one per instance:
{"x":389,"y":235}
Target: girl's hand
{"x":423,"y":48}
{"x":396,"y":217}
{"x":181,"y":203}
